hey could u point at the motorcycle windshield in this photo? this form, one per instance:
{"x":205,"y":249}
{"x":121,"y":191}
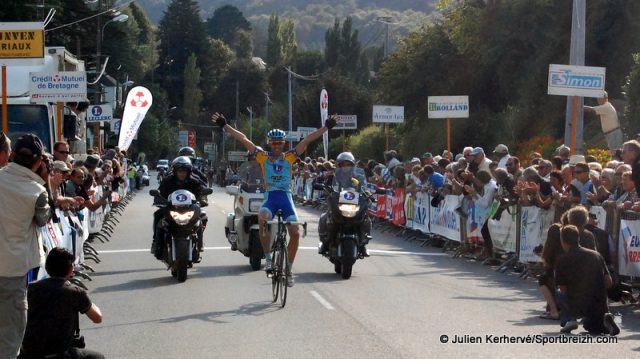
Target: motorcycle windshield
{"x":348,"y":177}
{"x":250,"y":176}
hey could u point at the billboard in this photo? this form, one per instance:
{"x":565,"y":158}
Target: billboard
{"x":448,"y":106}
{"x":388,"y":114}
{"x":583,"y":81}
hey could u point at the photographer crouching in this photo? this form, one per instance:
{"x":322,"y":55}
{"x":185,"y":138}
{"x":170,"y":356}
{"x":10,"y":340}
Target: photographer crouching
{"x":52,"y":318}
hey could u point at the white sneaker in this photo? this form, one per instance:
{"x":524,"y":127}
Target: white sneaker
{"x":268,"y":267}
{"x":290,"y":281}
{"x":569,"y":326}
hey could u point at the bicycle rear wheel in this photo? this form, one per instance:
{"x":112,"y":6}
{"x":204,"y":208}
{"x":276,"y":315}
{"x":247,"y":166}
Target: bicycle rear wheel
{"x":275,"y":277}
{"x":283,"y":265}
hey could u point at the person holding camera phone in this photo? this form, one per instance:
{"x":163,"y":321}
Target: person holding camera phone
{"x":54,"y":304}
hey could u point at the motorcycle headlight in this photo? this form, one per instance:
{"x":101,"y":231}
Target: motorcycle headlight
{"x":254,"y":205}
{"x":349,"y":210}
{"x":181,"y":218}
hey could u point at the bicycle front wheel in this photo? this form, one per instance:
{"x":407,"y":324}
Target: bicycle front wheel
{"x":283,"y":265}
{"x":275,"y":277}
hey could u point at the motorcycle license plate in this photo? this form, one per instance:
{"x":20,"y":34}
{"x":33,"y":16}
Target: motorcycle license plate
{"x":349,"y":197}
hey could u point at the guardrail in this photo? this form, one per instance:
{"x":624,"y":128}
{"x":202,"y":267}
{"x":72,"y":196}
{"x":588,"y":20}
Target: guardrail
{"x":514,"y":234}
{"x":78,"y":232}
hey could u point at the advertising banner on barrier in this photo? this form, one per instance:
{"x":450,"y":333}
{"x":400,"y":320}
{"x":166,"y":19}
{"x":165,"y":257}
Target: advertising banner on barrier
{"x":397,"y":206}
{"x":504,"y":231}
{"x":601,"y":216}
{"x":421,"y":205}
{"x":475,"y":221}
{"x":444,"y":220}
{"x":388,"y":212}
{"x":408,"y":209}
{"x":629,"y":248}
{"x":534,"y":223}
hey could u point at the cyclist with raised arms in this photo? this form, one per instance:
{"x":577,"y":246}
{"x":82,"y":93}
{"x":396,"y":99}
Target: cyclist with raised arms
{"x":276,"y":167}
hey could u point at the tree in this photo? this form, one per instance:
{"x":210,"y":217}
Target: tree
{"x":181,"y":34}
{"x":274,"y":41}
{"x":219,"y":59}
{"x":243,"y":44}
{"x":226,"y":22}
{"x":332,"y":44}
{"x":192,"y":92}
{"x":288,"y":44}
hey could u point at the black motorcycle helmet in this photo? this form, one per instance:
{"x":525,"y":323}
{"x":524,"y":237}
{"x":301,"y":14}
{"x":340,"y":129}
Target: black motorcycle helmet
{"x":187,"y":151}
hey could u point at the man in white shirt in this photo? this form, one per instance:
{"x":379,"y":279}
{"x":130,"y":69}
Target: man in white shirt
{"x":609,"y":122}
{"x":502,"y":152}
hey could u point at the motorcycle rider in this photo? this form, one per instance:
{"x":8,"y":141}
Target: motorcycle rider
{"x":195,"y":172}
{"x":345,"y":177}
{"x":277,"y":168}
{"x":179,"y":178}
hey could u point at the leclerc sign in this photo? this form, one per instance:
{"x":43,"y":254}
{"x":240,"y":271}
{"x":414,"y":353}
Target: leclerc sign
{"x":448,"y":106}
{"x":388,"y":114}
{"x":584,"y":81}
{"x":99,"y":113}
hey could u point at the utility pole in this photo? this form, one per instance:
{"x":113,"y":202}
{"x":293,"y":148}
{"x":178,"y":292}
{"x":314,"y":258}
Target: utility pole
{"x":97,"y":98}
{"x":385,"y":20}
{"x":237,"y":117}
{"x":250,"y":110}
{"x":290,"y":107}
{"x":574,"y":117}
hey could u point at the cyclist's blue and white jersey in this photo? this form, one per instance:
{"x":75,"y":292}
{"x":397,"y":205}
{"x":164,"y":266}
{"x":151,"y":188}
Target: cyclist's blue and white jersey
{"x":277,"y":174}
{"x":277,"y":181}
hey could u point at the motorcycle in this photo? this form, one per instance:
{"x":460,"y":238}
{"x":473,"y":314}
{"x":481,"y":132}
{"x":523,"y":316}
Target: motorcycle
{"x":348,"y":206}
{"x":161,"y":173}
{"x":242,"y":229}
{"x":181,"y":222}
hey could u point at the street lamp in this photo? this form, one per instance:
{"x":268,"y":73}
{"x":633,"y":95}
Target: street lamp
{"x":119,"y":18}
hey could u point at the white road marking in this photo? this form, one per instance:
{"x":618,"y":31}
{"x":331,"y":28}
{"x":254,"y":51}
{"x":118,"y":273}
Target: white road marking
{"x":320,"y":299}
{"x":372,"y":251}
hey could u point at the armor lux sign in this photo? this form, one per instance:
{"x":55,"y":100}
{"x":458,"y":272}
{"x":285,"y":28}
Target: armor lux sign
{"x":388,"y":114}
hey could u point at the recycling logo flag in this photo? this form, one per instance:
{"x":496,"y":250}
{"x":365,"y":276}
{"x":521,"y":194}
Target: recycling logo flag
{"x":324,"y":114}
{"x":139,"y":101}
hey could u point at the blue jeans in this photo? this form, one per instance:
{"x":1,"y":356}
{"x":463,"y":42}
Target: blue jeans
{"x":563,"y":304}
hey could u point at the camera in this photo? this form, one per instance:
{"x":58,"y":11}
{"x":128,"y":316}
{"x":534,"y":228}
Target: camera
{"x":78,"y":342}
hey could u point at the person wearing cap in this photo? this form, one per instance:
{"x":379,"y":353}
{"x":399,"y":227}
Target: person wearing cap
{"x":608,"y":121}
{"x":479,"y":161}
{"x":502,"y":152}
{"x":57,"y":178}
{"x":5,"y":150}
{"x":563,"y":152}
{"x":24,"y":208}
{"x":427,"y":159}
{"x":91,"y":163}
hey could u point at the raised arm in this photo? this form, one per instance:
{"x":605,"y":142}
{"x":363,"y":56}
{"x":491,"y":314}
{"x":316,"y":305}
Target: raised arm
{"x":235,"y":134}
{"x":328,"y":124}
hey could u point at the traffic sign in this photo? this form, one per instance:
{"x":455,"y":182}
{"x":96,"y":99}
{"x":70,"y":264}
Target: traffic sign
{"x":237,"y":156}
{"x":347,"y":122}
{"x":306,"y":131}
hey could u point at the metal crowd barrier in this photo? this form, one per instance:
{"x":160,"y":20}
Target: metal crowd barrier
{"x":79,"y":231}
{"x":514,"y":235}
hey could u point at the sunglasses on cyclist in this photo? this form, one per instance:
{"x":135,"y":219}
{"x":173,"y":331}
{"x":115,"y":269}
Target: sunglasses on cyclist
{"x":277,"y":142}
